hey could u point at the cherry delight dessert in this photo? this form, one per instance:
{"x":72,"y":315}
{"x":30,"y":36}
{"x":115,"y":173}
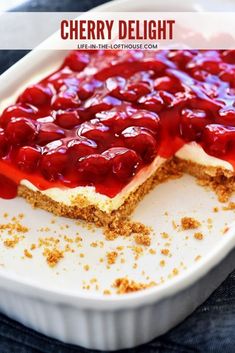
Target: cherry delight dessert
{"x":91,"y":139}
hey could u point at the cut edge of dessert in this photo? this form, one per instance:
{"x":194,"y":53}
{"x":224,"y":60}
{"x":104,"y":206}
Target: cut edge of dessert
{"x":120,"y":123}
{"x":219,"y":179}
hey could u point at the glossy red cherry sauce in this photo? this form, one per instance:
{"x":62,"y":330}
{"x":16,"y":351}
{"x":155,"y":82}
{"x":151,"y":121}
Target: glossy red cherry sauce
{"x":104,"y":115}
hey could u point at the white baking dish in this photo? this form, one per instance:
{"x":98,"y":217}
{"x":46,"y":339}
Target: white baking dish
{"x":55,"y":304}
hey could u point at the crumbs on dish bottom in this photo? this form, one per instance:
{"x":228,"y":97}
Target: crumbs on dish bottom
{"x":189,"y":223}
{"x":125,"y":285}
{"x":12,"y":231}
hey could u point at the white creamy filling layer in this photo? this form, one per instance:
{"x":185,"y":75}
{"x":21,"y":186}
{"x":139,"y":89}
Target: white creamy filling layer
{"x":191,"y":152}
{"x":107,"y":204}
{"x":195,"y":153}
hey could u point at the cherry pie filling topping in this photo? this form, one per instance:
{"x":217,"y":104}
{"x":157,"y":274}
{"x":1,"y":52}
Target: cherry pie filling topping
{"x":105,"y":115}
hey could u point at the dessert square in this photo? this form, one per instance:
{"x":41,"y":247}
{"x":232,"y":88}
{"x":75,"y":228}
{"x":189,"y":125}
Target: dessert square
{"x":92,"y":138}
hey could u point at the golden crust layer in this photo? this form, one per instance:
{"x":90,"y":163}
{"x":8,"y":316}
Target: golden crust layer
{"x":91,"y":213}
{"x":220,"y":180}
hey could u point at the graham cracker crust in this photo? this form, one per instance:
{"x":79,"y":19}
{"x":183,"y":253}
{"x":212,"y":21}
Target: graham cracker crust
{"x":93,"y":214}
{"x":220,"y":180}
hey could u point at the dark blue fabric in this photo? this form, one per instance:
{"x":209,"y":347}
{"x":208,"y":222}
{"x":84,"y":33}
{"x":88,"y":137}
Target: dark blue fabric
{"x":211,"y":328}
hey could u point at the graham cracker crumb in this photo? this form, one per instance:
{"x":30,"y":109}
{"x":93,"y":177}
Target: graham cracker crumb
{"x":175,"y":271}
{"x":174,"y":225}
{"x":11,"y":243}
{"x":111,"y":257}
{"x":125,"y":285}
{"x":86,"y":267}
{"x":27,"y":254}
{"x":165,"y":235}
{"x":15,"y":230}
{"x":94,"y":244}
{"x":165,"y":252}
{"x":142,"y":239}
{"x":125,"y":228}
{"x":106,"y":292}
{"x":198,"y":257}
{"x":198,"y":236}
{"x":162,"y":263}
{"x":53,"y":256}
{"x":225,"y":230}
{"x":138,"y":251}
{"x":189,"y":223}
{"x":14,"y":226}
{"x":229,"y":207}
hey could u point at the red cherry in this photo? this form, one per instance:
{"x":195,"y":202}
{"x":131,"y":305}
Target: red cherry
{"x":124,"y":162}
{"x":21,"y":131}
{"x":115,"y":84}
{"x":87,"y":88}
{"x":134,"y":91}
{"x":95,"y":131}
{"x":226,"y":117}
{"x":152,"y":102}
{"x":199,"y":74}
{"x":99,"y":103}
{"x":8,"y":188}
{"x":93,"y":167}
{"x":37,"y":95}
{"x":58,"y":79}
{"x":49,"y":132}
{"x":229,"y":56}
{"x":54,"y":164}
{"x":218,"y":140}
{"x":180,"y":57}
{"x":146,"y":119}
{"x":169,"y":84}
{"x":130,"y":92}
{"x":72,"y":83}
{"x":192,"y":123}
{"x":66,"y":100}
{"x":77,"y":60}
{"x":141,"y":141}
{"x":228,"y":76}
{"x":213,"y":67}
{"x":67,"y":119}
{"x":28,"y":158}
{"x":15,"y":111}
{"x":117,"y":121}
{"x":205,"y":104}
{"x":156,"y":101}
{"x":80,"y":148}
{"x":3,"y":143}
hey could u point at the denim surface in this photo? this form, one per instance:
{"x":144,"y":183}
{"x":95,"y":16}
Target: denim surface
{"x":211,"y":328}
